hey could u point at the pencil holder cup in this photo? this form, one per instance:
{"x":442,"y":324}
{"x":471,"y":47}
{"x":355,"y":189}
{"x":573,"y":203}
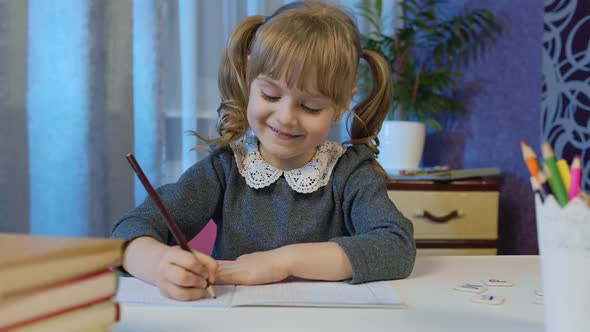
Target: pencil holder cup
{"x":564,"y":244}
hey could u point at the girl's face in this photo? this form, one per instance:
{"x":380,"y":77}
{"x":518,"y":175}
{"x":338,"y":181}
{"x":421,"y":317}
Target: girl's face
{"x":290,"y":124}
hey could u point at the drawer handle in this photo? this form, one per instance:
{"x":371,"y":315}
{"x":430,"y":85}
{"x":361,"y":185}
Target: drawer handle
{"x":441,"y":219}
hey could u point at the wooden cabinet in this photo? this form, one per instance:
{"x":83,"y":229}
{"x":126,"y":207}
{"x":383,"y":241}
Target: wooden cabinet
{"x":450,"y":218}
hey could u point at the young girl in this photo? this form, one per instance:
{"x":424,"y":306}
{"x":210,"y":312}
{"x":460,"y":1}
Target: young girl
{"x":286,"y":202}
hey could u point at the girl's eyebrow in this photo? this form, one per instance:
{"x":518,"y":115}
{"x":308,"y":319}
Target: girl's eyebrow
{"x":274,"y":84}
{"x":269,"y":82}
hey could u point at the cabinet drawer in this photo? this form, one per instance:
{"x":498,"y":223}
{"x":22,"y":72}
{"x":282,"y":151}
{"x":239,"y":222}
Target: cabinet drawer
{"x":477,"y":213}
{"x":457,"y":252}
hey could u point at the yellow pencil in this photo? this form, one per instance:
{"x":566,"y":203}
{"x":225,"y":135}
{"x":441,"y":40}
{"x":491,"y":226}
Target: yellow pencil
{"x":564,"y":173}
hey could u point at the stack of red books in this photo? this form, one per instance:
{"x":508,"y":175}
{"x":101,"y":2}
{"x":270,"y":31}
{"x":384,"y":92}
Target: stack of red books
{"x":57,"y":283}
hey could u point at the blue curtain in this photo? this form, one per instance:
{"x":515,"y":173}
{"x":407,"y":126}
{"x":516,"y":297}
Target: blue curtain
{"x":59,"y":117}
{"x":84,"y":82}
{"x":147,"y":99}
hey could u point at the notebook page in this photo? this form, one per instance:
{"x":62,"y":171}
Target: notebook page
{"x":135,"y":291}
{"x":318,"y":294}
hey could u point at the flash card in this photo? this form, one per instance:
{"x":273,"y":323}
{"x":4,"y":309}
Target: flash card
{"x":488,"y":299}
{"x":471,"y":287}
{"x":497,"y":283}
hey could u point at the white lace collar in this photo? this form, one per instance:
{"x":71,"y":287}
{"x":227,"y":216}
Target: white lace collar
{"x":307,"y":179}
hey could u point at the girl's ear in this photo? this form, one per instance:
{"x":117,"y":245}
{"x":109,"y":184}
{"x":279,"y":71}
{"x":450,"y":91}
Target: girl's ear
{"x":354,"y":91}
{"x":344,"y":110}
{"x":338,"y":114}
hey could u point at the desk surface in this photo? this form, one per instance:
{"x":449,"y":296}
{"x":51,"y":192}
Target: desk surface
{"x":432,"y":303}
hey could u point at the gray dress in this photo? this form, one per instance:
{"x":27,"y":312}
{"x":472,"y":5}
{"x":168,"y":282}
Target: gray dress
{"x":352,"y":209}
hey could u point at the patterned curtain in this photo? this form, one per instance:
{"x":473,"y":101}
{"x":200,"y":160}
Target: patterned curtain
{"x":566,"y":78}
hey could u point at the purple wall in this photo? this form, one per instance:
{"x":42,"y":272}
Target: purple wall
{"x":502,"y":92}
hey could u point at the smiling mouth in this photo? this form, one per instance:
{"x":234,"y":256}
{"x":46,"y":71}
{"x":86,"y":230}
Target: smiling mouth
{"x":282,"y":134}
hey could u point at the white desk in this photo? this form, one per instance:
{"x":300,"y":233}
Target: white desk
{"x":432,"y":303}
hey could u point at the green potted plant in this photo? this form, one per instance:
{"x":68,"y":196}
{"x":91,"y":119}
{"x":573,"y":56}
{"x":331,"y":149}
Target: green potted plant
{"x":422,"y":50}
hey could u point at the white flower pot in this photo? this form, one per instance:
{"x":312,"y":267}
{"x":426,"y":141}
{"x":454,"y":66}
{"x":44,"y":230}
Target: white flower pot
{"x":401,"y":144}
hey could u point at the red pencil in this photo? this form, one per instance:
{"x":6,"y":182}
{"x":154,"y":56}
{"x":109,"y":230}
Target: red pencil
{"x":171,"y":224}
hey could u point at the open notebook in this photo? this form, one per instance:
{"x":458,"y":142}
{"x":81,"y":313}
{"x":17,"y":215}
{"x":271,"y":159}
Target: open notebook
{"x":290,"y":294}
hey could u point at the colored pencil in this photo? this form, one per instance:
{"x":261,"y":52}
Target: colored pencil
{"x":530,"y":158}
{"x":576,"y":179}
{"x":171,"y":224}
{"x":543,"y":182}
{"x":537,"y":189}
{"x":564,"y":173}
{"x":552,"y":174}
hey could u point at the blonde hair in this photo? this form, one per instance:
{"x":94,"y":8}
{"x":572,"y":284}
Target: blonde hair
{"x":314,"y":47}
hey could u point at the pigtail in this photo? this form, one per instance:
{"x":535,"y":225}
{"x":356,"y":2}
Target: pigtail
{"x":369,"y":113}
{"x":233,"y":87}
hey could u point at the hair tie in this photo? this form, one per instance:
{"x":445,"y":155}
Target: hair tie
{"x":266,"y":18}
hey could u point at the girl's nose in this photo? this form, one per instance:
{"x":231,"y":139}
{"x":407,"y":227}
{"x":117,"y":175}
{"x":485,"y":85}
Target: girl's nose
{"x":287,"y":114}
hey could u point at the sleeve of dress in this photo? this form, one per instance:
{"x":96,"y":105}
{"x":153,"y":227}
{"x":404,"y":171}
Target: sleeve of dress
{"x":191,"y":201}
{"x":381,"y":245}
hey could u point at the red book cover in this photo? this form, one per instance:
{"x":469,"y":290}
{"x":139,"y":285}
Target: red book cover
{"x":39,"y":303}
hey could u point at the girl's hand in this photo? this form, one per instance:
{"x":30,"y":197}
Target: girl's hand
{"x":183,"y":276}
{"x":257,"y":268}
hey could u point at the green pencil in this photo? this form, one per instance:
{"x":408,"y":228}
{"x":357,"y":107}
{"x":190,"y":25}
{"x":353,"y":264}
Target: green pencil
{"x":550,"y":168}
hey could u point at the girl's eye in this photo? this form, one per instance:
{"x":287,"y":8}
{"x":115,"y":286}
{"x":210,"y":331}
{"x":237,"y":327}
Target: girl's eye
{"x":269,"y":98}
{"x":311,"y":110}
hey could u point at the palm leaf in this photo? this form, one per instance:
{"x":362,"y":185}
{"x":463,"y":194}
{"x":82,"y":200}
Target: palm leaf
{"x":435,"y":43}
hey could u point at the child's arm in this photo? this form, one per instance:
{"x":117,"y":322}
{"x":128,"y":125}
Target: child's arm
{"x":315,"y":261}
{"x":192,"y":201}
{"x":380,"y":245}
{"x":177,"y":273}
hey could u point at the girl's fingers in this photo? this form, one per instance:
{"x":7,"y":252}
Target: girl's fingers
{"x":209,"y":264}
{"x":190,"y":262}
{"x":179,"y":276}
{"x":180,"y":293}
